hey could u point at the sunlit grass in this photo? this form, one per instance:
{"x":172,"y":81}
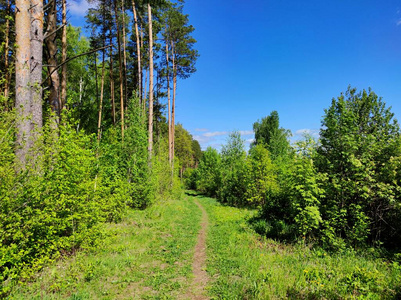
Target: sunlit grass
{"x":243,"y":265}
{"x":148,"y":256}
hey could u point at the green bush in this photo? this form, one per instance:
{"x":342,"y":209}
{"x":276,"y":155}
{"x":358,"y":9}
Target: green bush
{"x":209,"y":173}
{"x":233,"y":161}
{"x":51,"y":207}
{"x":261,"y":181}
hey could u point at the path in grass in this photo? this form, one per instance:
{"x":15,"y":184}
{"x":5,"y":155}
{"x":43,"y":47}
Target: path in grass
{"x":199,"y":265}
{"x":161,"y":253}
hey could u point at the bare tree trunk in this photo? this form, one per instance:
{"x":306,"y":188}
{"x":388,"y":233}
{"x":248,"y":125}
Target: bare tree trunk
{"x":173,"y":106}
{"x":145,"y":93}
{"x":99,"y":123}
{"x":36,"y":65}
{"x":120,"y":67}
{"x":169,"y":104}
{"x":142,"y":86}
{"x":54,"y":96}
{"x":124,"y":55}
{"x":22,"y":91}
{"x":63,"y":94}
{"x":150,"y":145}
{"x":113,"y":105}
{"x":6,"y":53}
{"x":138,"y":53}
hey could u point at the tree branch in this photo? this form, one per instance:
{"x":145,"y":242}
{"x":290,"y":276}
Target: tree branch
{"x":74,"y":57}
{"x":51,"y":33}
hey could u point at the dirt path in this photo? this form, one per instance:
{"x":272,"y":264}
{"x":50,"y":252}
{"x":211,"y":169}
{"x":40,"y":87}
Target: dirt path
{"x":197,"y":288}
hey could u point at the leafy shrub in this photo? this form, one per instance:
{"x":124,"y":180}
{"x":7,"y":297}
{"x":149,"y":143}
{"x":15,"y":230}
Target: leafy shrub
{"x":209,"y":173}
{"x":50,"y":208}
{"x":233,"y":161}
{"x":260,"y":176}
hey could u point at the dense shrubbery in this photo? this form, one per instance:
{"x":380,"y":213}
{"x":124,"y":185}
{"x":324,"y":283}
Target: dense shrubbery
{"x":343,"y":190}
{"x":58,"y":203}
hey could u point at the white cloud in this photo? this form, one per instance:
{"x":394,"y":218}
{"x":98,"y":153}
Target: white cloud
{"x":215,"y":133}
{"x":216,"y":139}
{"x":398,"y":22}
{"x":202,"y":139}
{"x":246,"y":132}
{"x":80,"y":7}
{"x":313,"y":132}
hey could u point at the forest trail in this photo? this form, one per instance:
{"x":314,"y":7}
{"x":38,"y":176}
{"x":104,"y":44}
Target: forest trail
{"x":160,"y":253}
{"x":197,"y":288}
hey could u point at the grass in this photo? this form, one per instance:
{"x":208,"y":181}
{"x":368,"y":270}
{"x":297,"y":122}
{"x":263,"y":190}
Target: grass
{"x":244,"y":265}
{"x":148,"y":256}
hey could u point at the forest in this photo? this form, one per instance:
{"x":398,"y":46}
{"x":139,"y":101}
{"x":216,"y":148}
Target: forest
{"x":98,"y":178}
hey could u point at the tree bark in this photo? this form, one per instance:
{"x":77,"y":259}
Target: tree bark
{"x":120,"y":68}
{"x":173,"y":105}
{"x":63,"y":94}
{"x":54,"y":96}
{"x":138,"y":52}
{"x":113,"y":105}
{"x":36,"y":63}
{"x":169,"y":104}
{"x":6,"y":59}
{"x":22,"y":78}
{"x":124,"y":54}
{"x":99,"y":123}
{"x":150,"y":141}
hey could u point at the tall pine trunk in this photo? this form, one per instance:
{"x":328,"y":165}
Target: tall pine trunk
{"x":22,"y":78}
{"x":124,"y":54}
{"x":120,"y":68}
{"x":113,"y":104}
{"x":99,"y":123}
{"x":6,"y":58}
{"x":173,"y":105}
{"x":36,"y":63}
{"x":138,"y":52}
{"x":63,"y":94}
{"x":169,"y":104}
{"x":150,"y":131}
{"x":54,"y":95}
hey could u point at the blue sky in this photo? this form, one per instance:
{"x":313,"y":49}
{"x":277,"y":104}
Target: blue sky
{"x":293,"y":56}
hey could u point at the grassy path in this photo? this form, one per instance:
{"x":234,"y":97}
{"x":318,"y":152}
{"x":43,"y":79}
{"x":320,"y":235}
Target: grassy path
{"x":148,"y":256}
{"x":195,"y":248}
{"x":201,"y":278}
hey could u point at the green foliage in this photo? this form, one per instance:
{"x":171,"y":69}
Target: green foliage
{"x":345,"y":189}
{"x":233,"y":158}
{"x":82,"y":99}
{"x":165,"y":181}
{"x":150,"y":250}
{"x":273,"y":137}
{"x":209,"y":172}
{"x":183,"y":147}
{"x":51,"y":211}
{"x":260,"y":176}
{"x":245,"y":265}
{"x":58,"y":204}
{"x":359,"y":143}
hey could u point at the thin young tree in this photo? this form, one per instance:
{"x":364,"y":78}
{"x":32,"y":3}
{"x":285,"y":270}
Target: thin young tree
{"x":52,"y":63}
{"x":150,"y":127}
{"x":63,"y":93}
{"x":138,"y":51}
{"x":120,"y":68}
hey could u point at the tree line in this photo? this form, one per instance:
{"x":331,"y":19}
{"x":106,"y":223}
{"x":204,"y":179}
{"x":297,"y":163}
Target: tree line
{"x":87,"y":123}
{"x":338,"y":191}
